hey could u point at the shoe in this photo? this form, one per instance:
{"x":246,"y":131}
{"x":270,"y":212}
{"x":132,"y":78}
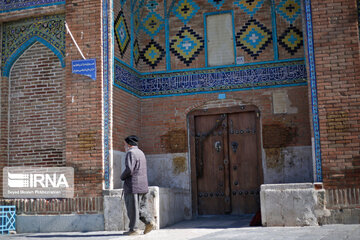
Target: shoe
{"x":149,"y":227}
{"x":132,"y":233}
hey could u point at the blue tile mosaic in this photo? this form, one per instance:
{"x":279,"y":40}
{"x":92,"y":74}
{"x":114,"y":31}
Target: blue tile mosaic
{"x":122,"y":33}
{"x":136,"y":52}
{"x":187,"y":45}
{"x":313,"y":87}
{"x":137,"y":21}
{"x":250,"y":7}
{"x":152,"y":54}
{"x":185,"y":10}
{"x":19,"y":35}
{"x":253,"y":37}
{"x":152,"y":24}
{"x":210,"y":80}
{"x":152,"y":5}
{"x":291,"y":39}
{"x":290,"y":10}
{"x":122,"y":2}
{"x":216,"y":3}
{"x":13,"y":5}
{"x":106,"y":92}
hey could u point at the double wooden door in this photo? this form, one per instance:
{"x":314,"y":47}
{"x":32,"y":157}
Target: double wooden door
{"x":227,"y":162}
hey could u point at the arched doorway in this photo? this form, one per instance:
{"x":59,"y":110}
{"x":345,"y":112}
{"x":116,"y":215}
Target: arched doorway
{"x":225,"y":150}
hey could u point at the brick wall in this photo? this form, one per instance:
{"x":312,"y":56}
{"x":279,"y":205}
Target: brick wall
{"x":84,"y":99}
{"x":163,"y":120}
{"x":81,"y":99}
{"x":336,"y":44}
{"x":263,"y":17}
{"x":127,"y":120}
{"x":36,"y":135}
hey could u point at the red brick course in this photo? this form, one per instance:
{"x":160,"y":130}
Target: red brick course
{"x":37,"y":121}
{"x":127,"y":120}
{"x":84,"y":99}
{"x":162,"y":118}
{"x":336,"y":44}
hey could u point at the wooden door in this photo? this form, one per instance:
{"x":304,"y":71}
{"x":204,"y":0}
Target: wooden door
{"x":212,"y":175}
{"x":228,"y":167}
{"x":245,"y":167}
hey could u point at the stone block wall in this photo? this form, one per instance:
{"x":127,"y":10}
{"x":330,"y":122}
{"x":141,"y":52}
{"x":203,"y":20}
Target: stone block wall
{"x":166,"y":206}
{"x":292,"y":205}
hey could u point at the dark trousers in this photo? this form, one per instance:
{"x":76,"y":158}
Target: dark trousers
{"x":137,"y":208}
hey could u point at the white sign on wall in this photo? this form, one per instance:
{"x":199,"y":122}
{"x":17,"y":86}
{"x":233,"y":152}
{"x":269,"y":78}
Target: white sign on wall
{"x":220,"y":39}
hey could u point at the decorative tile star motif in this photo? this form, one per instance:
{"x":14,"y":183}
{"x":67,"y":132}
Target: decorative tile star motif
{"x":289,"y":10}
{"x":122,"y":33}
{"x":217,"y":3}
{"x":152,"y":24}
{"x":136,"y":52}
{"x":152,"y":5}
{"x":186,"y":45}
{"x":152,"y":54}
{"x":122,"y":2}
{"x":291,"y":39}
{"x":249,"y":6}
{"x":137,"y":23}
{"x":253,"y":38}
{"x":185,"y":10}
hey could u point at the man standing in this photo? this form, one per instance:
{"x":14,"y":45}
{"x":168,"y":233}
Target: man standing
{"x":136,"y":187}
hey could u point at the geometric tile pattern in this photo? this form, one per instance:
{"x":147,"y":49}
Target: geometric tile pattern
{"x":141,"y":4}
{"x":122,"y":2}
{"x":289,"y":10}
{"x":291,"y":39}
{"x":185,"y":10}
{"x":7,"y":216}
{"x":313,"y":87}
{"x":152,"y":54}
{"x":106,"y":89}
{"x":152,"y":24}
{"x":249,"y":6}
{"x":152,"y":5}
{"x":137,"y":21}
{"x":127,"y":78}
{"x":136,"y":52}
{"x":242,"y":77}
{"x":186,"y":45}
{"x":217,"y":3}
{"x":12,"y":5}
{"x":122,"y":33}
{"x":50,"y":29}
{"x":253,"y":38}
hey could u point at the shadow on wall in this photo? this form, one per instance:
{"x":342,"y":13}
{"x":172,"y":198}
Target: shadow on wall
{"x":285,"y":163}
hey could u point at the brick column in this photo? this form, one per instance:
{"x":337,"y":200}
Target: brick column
{"x":336,"y":49}
{"x":84,"y":149}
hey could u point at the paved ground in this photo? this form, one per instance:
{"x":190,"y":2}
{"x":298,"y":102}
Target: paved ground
{"x":211,"y":228}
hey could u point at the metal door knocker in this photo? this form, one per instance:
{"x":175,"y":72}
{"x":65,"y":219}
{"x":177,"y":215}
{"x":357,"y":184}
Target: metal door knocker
{"x":218,"y":146}
{"x":234,"y":146}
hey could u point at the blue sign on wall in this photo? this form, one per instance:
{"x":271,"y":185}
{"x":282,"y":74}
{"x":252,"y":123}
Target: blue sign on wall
{"x":85,"y":67}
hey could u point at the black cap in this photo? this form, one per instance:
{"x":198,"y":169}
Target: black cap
{"x":132,"y":140}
